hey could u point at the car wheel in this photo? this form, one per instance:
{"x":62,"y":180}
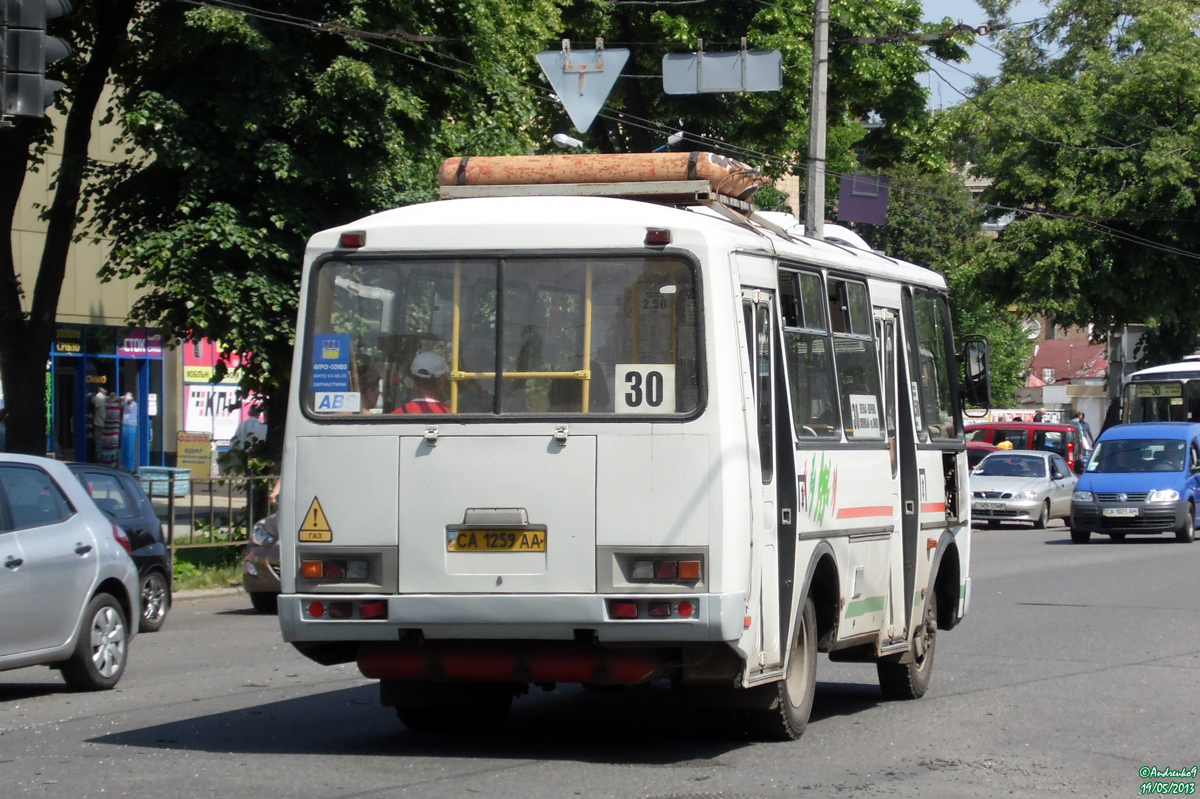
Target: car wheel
{"x":156,"y":601}
{"x":1080,"y":536}
{"x":99,"y":658}
{"x":911,"y":680}
{"x":1117,"y":537}
{"x":1187,"y":534}
{"x":786,"y":719}
{"x":265,"y":602}
{"x":1043,"y":519}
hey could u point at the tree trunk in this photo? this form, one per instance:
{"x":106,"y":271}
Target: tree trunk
{"x":25,"y":342}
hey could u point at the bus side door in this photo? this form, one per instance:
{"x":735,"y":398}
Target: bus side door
{"x":774,"y":436}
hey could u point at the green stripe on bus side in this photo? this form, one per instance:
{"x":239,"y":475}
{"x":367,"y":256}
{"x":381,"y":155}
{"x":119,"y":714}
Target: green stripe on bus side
{"x":859,"y":607}
{"x":962,"y":590}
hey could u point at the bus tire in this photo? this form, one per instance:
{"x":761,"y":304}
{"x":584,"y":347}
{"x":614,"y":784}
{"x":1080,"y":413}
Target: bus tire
{"x":787,"y":716}
{"x":1080,"y":536}
{"x":474,"y":707}
{"x":1044,"y":519}
{"x":1187,"y":533}
{"x":911,"y":680}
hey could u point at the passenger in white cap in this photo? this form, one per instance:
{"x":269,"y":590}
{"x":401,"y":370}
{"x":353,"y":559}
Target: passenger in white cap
{"x":430,"y":373}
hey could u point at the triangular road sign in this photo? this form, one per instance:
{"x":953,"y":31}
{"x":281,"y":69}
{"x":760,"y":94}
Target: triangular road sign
{"x":582,"y":79}
{"x":315,"y":527}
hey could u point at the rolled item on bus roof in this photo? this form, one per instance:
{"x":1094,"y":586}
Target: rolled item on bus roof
{"x":726,"y":175}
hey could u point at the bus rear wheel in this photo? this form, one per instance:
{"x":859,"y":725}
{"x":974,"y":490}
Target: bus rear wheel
{"x":460,"y":707}
{"x":911,"y":680}
{"x":787,"y":717}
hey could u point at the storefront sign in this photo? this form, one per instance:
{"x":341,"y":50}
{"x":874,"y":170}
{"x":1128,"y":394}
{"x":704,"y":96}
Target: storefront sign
{"x":200,"y":358}
{"x":140,"y":343}
{"x":208,"y":409}
{"x":68,"y":340}
{"x":194,"y":451}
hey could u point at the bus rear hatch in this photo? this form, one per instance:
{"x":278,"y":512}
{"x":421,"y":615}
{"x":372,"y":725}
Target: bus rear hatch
{"x":498,"y":514}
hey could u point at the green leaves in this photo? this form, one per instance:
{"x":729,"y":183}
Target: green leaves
{"x":251,"y":135}
{"x":1094,"y":122}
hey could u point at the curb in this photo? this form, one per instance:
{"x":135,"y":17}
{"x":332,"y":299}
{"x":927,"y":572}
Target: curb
{"x":206,"y":593}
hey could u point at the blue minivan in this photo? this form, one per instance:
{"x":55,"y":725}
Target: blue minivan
{"x":1141,"y":479}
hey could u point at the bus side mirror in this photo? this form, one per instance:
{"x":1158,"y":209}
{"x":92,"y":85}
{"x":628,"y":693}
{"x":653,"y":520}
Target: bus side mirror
{"x":977,"y":380}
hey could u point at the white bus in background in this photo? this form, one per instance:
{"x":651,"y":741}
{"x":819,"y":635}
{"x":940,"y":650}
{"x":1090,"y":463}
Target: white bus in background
{"x":538,"y":437}
{"x":1167,"y":393}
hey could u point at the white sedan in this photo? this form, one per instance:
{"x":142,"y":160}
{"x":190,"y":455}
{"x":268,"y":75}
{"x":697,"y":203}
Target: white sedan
{"x":1021,"y":485}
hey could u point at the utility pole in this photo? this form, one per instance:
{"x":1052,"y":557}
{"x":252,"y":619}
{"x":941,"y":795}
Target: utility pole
{"x":814,"y":212}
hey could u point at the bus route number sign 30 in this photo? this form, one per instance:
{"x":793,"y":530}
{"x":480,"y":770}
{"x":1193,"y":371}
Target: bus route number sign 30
{"x":645,"y":388}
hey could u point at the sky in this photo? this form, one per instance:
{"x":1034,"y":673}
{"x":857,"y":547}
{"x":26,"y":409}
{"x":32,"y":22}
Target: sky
{"x":983,"y":61}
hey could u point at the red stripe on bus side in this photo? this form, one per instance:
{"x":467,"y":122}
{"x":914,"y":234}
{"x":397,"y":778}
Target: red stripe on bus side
{"x":933,"y":507}
{"x":862,"y":513}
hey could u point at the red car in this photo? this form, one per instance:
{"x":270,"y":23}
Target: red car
{"x":1063,"y":439}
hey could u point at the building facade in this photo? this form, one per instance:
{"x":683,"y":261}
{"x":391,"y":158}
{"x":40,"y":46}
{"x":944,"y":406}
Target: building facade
{"x":95,"y":352}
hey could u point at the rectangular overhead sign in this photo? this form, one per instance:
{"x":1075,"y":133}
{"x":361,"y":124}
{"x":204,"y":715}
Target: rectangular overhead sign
{"x":740,"y":71}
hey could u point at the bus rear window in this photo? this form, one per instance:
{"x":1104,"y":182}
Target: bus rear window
{"x":541,"y":336}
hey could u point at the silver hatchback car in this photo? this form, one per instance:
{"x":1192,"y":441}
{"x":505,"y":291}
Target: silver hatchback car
{"x":68,"y":587}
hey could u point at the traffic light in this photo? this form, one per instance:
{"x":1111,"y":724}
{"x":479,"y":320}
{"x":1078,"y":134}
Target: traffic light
{"x":25,"y":51}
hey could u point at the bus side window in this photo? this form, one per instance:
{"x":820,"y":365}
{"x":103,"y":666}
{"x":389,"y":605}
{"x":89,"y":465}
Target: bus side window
{"x":937,"y":370}
{"x":855,"y":361}
{"x":808,"y":349}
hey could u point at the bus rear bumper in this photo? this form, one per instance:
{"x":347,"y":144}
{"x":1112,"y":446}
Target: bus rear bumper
{"x":715,"y":617}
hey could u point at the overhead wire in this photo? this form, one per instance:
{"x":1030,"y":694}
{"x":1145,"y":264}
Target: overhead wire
{"x":621,"y":117}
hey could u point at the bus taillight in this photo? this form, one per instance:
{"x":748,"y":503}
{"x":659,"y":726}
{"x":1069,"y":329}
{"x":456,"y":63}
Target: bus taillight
{"x":623,"y":610}
{"x":666,"y":570}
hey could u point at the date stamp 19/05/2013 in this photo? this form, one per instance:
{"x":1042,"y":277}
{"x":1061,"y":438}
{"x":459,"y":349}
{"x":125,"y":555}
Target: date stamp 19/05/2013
{"x":1169,"y":781}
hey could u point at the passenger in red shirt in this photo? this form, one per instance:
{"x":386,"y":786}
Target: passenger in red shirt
{"x":430,"y":375}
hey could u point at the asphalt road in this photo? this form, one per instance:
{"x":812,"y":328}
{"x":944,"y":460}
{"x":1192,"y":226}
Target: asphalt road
{"x":1076,"y":667}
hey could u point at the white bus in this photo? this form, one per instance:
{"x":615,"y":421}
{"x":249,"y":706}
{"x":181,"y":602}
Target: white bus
{"x":1167,"y":393}
{"x":592,"y":439}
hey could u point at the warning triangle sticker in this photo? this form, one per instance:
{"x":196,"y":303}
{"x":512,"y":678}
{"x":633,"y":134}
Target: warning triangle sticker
{"x":582,"y":79}
{"x":315,"y":526}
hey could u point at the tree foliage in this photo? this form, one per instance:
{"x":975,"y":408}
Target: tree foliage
{"x":244,"y":136}
{"x":1091,"y":133}
{"x":769,"y":129}
{"x":932,"y":221}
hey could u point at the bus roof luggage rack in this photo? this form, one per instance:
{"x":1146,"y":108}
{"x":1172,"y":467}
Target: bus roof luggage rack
{"x":695,"y":178}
